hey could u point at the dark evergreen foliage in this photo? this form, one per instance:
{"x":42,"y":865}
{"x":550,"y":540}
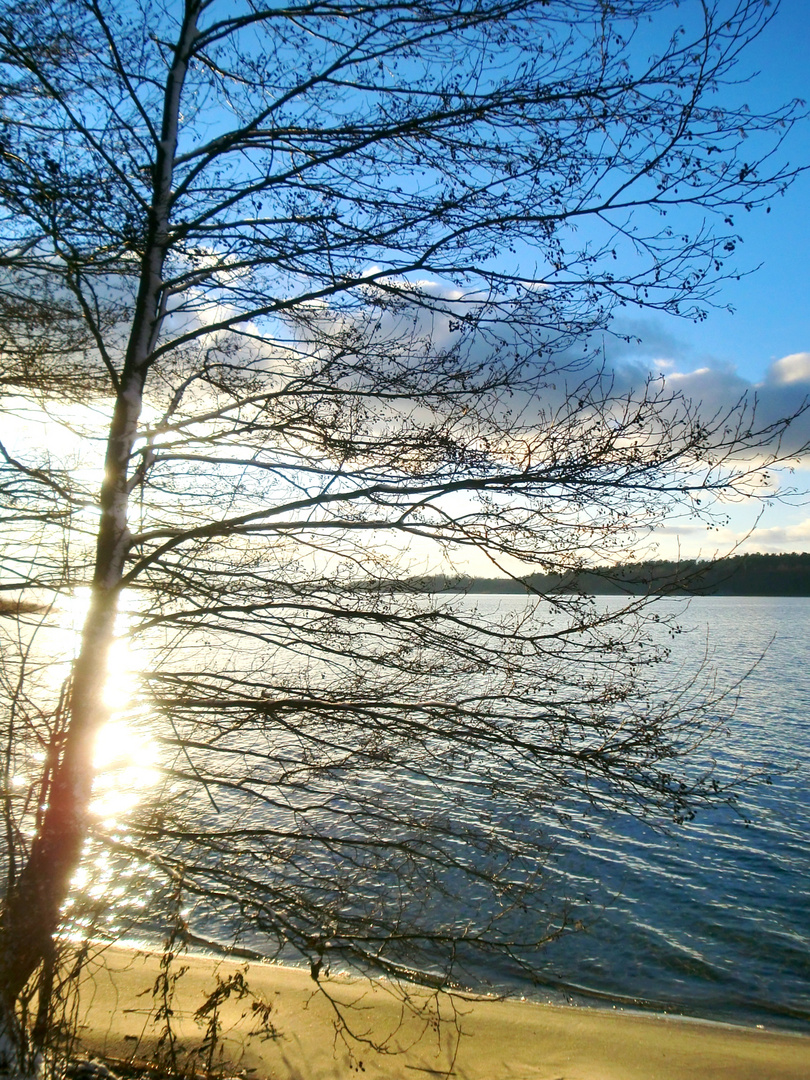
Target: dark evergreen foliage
{"x":783,"y":574}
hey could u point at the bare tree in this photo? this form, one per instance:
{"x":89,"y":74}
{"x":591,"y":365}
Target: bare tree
{"x":312,"y":292}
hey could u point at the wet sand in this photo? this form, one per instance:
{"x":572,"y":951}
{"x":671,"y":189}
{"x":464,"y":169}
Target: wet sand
{"x":353,"y":1027}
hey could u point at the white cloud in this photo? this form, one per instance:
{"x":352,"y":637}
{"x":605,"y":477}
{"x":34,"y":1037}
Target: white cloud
{"x":781,"y":538}
{"x":790,"y":369}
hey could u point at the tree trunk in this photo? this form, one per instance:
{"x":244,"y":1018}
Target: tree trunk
{"x":31,"y":912}
{"x":30,"y":915}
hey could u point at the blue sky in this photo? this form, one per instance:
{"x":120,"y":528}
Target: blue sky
{"x":772,"y":316}
{"x":771,"y":319}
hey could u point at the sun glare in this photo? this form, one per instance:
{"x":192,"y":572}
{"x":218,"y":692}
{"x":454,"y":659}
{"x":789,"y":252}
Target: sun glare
{"x":125,"y":763}
{"x":125,"y":755}
{"x":125,"y":766}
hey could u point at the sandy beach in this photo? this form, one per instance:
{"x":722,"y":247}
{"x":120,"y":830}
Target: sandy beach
{"x":285,"y":1028}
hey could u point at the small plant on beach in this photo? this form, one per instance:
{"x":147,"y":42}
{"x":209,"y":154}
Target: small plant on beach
{"x":205,"y":1057}
{"x":297,"y":301}
{"x":167,"y":1050}
{"x":260,"y":1026}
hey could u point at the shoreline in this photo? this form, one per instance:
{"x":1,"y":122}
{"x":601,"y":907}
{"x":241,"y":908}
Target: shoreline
{"x":284,"y":1027}
{"x":563,"y":995}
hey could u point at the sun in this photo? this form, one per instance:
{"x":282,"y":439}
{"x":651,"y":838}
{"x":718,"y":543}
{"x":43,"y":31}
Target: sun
{"x":125,"y":752}
{"x":125,"y":758}
{"x":125,"y":762}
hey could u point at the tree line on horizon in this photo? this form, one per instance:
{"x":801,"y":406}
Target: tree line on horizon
{"x":784,"y":574}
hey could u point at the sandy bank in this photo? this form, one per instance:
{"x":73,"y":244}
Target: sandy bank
{"x":444,"y":1035}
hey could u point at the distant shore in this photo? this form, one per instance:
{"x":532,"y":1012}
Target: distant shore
{"x":400,"y":1031}
{"x":738,"y":575}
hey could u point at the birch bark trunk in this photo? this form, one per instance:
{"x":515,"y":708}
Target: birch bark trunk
{"x":31,"y":912}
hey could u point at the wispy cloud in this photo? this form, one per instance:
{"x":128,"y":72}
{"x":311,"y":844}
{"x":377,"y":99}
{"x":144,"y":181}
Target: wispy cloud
{"x":780,"y":538}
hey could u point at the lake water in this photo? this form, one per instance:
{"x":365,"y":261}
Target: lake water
{"x":713,"y":920}
{"x":710,"y":919}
